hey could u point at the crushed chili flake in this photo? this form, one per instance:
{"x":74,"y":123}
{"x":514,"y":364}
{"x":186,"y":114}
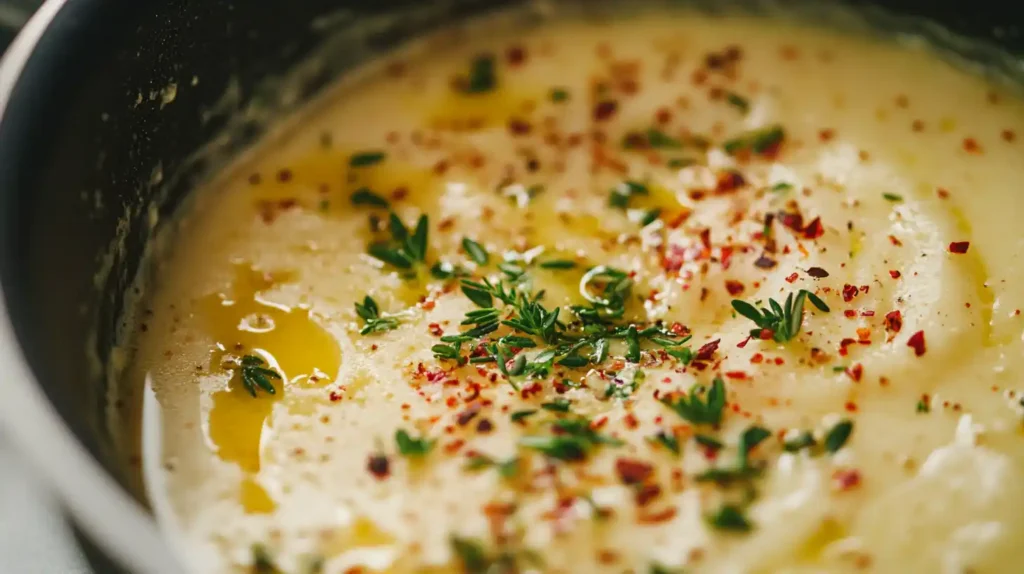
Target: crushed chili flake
{"x":1008,"y":135}
{"x":845,"y":479}
{"x":765,"y":262}
{"x":646,"y":493}
{"x":959,"y":247}
{"x":515,"y":55}
{"x":916,"y":342}
{"x":856,"y":372}
{"x":849,"y":292}
{"x":378,"y":465}
{"x":707,"y":350}
{"x":605,"y":110}
{"x":894,"y":274}
{"x":517,"y":126}
{"x":814,"y":229}
{"x":971,"y":145}
{"x":894,"y":321}
{"x":632,"y":471}
{"x":792,"y":278}
{"x":817,"y":272}
{"x":733,"y":287}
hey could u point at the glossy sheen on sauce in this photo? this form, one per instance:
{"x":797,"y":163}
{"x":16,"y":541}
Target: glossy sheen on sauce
{"x":896,"y":163}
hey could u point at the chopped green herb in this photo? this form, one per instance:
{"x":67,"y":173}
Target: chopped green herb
{"x":256,"y":376}
{"x":839,"y":368}
{"x":758,"y":141}
{"x":668,"y":441}
{"x":782,"y":186}
{"x":506,"y":469}
{"x":364,"y":196}
{"x":783,"y":321}
{"x":729,"y":517}
{"x":624,"y":192}
{"x":737,"y":101}
{"x":707,"y":441}
{"x":472,"y":555}
{"x":700,"y":410}
{"x":802,"y":441}
{"x":606,"y":289}
{"x":475,"y":251}
{"x":892,"y":197}
{"x":445,"y":270}
{"x":409,"y":446}
{"x":659,"y":569}
{"x":366,"y":158}
{"x":405,"y":249}
{"x":659,"y":139}
{"x":922,"y":406}
{"x":559,"y":405}
{"x":559,"y":95}
{"x":522,"y":415}
{"x":375,"y":322}
{"x":262,"y":563}
{"x":680,"y":162}
{"x":650,"y":216}
{"x":572,"y":440}
{"x":838,"y":435}
{"x":482,"y":75}
{"x":750,"y":438}
{"x":558,"y":264}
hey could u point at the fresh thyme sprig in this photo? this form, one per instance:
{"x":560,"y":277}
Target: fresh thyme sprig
{"x":405,"y":249}
{"x":255,"y":376}
{"x":375,"y":321}
{"x":781,"y":321}
{"x":701,"y":406}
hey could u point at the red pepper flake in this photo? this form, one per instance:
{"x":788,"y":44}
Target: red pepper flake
{"x":767,"y":334}
{"x":484,"y":426}
{"x":632,"y":471}
{"x":707,"y":351}
{"x":757,"y":358}
{"x":727,"y":181}
{"x":736,"y":375}
{"x":844,"y":344}
{"x":959,"y":247}
{"x":765,"y":262}
{"x":742,"y":344}
{"x":916,"y":342}
{"x":826,"y":134}
{"x":1008,"y":136}
{"x":435,"y":329}
{"x":814,"y":229}
{"x":646,"y":493}
{"x":850,"y":314}
{"x":817,"y":272}
{"x":894,"y":321}
{"x":661,"y":516}
{"x":850,"y":406}
{"x":515,"y":55}
{"x":679,"y":329}
{"x":971,"y":145}
{"x":864,"y":334}
{"x":518,"y":127}
{"x":895,"y":241}
{"x":894,"y":274}
{"x":849,"y":292}
{"x":845,"y":479}
{"x":855,"y":372}
{"x":733,"y":287}
{"x":792,"y":278}
{"x":793,"y":221}
{"x":334,"y":396}
{"x":605,"y":110}
{"x":284,"y":176}
{"x":468,"y":414}
{"x":379,"y":466}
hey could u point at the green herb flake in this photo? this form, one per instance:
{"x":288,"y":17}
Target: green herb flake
{"x":558,"y":264}
{"x":923,"y":406}
{"x":802,"y":441}
{"x":700,"y":407}
{"x":255,"y":376}
{"x":668,"y":441}
{"x":471,"y":554}
{"x":482,"y":76}
{"x":622,"y":194}
{"x":730,"y":517}
{"x":475,"y":251}
{"x":837,"y":436}
{"x":660,"y":140}
{"x":757,"y":141}
{"x":559,"y":95}
{"x":782,"y":320}
{"x":412,"y":447}
{"x":520,"y":416}
{"x":366,"y":158}
{"x":405,"y":249}
{"x":708,"y":441}
{"x":364,"y":196}
{"x":375,"y":322}
{"x":559,"y":405}
{"x":892,"y":197}
{"x":262,"y":563}
{"x":737,"y":101}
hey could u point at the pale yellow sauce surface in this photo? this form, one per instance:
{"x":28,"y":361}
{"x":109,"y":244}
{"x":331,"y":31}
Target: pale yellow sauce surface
{"x":897,"y":153}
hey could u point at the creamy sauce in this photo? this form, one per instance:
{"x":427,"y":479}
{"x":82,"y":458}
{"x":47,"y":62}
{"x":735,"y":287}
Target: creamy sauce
{"x":658,"y":147}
